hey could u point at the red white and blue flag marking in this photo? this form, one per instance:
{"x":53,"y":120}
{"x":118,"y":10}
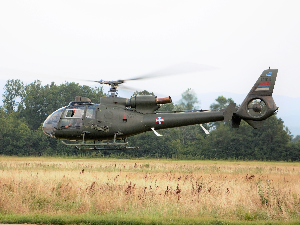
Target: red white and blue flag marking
{"x":159,"y":120}
{"x":263,"y":86}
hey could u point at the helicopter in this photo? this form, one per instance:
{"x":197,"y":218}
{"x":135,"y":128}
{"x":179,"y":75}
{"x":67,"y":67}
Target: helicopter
{"x":114,"y":119}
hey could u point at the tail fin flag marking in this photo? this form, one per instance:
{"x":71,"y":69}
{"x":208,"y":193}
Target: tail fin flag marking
{"x":265,"y":84}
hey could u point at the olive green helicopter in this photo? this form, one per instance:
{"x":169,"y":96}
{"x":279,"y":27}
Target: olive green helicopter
{"x":105,"y":126}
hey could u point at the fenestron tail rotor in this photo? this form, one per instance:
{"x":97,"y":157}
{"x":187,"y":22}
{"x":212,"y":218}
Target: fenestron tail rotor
{"x":257,"y":108}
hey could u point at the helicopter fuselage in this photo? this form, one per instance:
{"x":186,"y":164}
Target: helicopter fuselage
{"x":112,"y":118}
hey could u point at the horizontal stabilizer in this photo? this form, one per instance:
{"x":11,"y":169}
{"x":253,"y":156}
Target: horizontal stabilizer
{"x":228,"y":113}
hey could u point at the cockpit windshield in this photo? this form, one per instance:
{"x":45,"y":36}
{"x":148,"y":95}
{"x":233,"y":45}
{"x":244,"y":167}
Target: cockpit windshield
{"x":51,"y":122}
{"x":54,"y":117}
{"x":70,"y":117}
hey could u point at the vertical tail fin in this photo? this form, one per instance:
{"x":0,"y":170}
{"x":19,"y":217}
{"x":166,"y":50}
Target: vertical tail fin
{"x":264,"y":86}
{"x":258,"y":104}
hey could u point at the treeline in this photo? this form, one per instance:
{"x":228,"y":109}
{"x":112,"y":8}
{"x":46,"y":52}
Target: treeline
{"x":25,"y":107}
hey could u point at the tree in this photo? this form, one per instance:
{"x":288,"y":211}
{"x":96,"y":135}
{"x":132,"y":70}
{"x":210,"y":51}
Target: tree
{"x":144,"y":92}
{"x":222,"y":103}
{"x":267,"y":143}
{"x":296,"y":139}
{"x":14,"y":135}
{"x":293,"y":150}
{"x":167,"y":107}
{"x":187,"y":136}
{"x":188,"y":100}
{"x":13,"y":90}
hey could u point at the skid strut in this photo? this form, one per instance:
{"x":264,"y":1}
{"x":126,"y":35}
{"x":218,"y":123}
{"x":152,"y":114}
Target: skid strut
{"x":100,"y":146}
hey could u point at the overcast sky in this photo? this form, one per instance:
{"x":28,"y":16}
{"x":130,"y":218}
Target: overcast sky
{"x":60,"y":40}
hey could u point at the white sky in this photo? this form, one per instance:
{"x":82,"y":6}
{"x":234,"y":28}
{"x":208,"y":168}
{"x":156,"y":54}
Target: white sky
{"x":122,"y":39}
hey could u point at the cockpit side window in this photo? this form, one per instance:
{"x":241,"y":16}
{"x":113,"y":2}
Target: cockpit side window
{"x":74,"y":112}
{"x":72,"y":117}
{"x":90,"y":112}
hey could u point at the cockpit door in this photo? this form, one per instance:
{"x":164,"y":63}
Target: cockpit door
{"x":89,"y":116}
{"x":72,"y":117}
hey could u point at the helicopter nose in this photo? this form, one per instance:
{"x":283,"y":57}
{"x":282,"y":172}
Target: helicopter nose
{"x":48,"y":129}
{"x":51,"y":122}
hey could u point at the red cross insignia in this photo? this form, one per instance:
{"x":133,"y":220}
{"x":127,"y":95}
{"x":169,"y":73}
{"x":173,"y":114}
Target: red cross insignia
{"x":159,"y":120}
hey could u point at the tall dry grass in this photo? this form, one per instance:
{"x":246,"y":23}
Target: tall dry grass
{"x":227,"y":190}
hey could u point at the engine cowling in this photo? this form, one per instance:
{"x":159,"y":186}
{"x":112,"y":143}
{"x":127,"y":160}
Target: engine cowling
{"x":147,"y":103}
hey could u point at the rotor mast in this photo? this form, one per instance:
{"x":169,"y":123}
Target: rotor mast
{"x":113,"y":86}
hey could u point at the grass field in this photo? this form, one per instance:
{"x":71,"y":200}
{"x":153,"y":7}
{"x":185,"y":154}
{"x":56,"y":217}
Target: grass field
{"x":110,"y":191}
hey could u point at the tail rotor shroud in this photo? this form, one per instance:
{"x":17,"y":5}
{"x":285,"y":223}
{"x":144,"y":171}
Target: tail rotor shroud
{"x":257,"y":108}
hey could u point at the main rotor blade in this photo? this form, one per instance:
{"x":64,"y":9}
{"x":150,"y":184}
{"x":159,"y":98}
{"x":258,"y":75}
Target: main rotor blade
{"x":180,"y":68}
{"x":126,"y":88}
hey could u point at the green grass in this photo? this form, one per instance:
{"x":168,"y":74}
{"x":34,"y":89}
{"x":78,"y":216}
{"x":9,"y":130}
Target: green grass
{"x":121,"y":219}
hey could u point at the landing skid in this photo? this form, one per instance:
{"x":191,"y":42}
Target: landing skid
{"x":101,"y":146}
